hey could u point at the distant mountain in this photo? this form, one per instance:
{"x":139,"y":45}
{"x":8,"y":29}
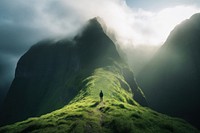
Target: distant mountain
{"x":139,"y":56}
{"x":171,"y":81}
{"x":51,"y":74}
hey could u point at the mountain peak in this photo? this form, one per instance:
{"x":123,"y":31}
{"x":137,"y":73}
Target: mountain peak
{"x":196,"y":16}
{"x":98,"y":20}
{"x":53,"y":72}
{"x":97,"y":24}
{"x":70,"y":77}
{"x":176,"y":71}
{"x":180,"y":32}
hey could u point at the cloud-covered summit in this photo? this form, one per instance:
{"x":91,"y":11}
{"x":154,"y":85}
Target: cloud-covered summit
{"x":23,"y":23}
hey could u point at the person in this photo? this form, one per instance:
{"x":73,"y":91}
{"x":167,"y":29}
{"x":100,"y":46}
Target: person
{"x":101,"y":95}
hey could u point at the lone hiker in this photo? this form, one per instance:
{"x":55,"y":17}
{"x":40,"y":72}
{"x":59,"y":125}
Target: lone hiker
{"x":101,"y":95}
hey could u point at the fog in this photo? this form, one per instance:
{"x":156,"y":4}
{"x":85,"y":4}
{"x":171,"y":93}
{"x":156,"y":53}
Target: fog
{"x":23,"y":23}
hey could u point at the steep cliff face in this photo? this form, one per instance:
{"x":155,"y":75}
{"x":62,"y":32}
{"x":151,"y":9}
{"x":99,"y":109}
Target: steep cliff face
{"x":171,"y":80}
{"x":51,"y":73}
{"x":42,"y":75}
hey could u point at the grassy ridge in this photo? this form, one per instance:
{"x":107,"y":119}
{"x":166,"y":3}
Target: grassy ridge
{"x":89,"y":115}
{"x":110,"y":81}
{"x":117,"y":113}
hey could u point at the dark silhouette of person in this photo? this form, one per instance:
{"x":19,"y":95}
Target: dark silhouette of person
{"x":101,"y":95}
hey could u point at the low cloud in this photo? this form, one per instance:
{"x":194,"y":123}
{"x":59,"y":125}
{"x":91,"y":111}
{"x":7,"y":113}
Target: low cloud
{"x":134,"y":26}
{"x":23,"y":23}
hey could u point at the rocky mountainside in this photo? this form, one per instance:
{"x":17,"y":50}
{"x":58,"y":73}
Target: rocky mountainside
{"x":118,"y":112}
{"x":51,"y":73}
{"x":69,"y":75}
{"x":171,"y":81}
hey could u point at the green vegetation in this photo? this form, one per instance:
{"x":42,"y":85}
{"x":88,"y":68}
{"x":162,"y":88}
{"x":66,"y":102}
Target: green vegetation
{"x":117,"y":113}
{"x":90,"y":115}
{"x":110,"y":81}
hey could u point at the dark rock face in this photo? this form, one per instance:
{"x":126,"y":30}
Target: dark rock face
{"x":40,"y":80}
{"x":138,"y":93}
{"x":50,"y":74}
{"x":171,"y":81}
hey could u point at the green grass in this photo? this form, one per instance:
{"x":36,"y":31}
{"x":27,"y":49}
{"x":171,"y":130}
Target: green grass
{"x":117,"y":113}
{"x":107,"y":81}
{"x":90,"y":115}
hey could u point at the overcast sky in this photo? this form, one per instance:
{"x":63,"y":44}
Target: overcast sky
{"x":154,"y":5}
{"x":136,"y":22}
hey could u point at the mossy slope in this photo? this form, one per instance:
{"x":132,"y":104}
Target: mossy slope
{"x":117,"y":113}
{"x":51,"y":70}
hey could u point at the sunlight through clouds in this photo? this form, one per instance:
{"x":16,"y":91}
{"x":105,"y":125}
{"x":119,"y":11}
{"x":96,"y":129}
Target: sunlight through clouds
{"x":134,"y":26}
{"x":63,"y":18}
